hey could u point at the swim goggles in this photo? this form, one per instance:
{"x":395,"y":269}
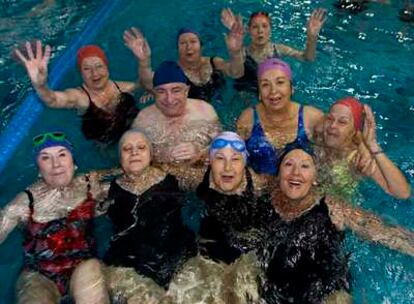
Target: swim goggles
{"x":237,"y":145}
{"x":41,"y":138}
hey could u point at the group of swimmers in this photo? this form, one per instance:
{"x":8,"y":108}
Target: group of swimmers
{"x":275,"y":196}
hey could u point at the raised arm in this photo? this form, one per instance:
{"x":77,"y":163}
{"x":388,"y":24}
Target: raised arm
{"x":383,"y":171}
{"x":315,"y":23}
{"x":12,"y":214}
{"x":234,"y":41}
{"x":136,"y":42}
{"x":36,"y":67}
{"x":371,"y":227}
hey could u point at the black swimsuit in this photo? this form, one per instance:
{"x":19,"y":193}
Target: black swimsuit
{"x":228,"y":219}
{"x":108,"y":127}
{"x":304,"y":261}
{"x":248,"y":82}
{"x":149,"y":234}
{"x":211,"y":88}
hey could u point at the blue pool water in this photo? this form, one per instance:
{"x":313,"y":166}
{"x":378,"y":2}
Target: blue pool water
{"x":368,"y":55}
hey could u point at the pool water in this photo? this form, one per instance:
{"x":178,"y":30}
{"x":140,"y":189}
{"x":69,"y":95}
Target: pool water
{"x":369,"y":55}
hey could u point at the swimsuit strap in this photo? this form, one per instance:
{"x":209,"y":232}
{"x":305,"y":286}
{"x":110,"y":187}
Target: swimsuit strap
{"x":117,"y":86}
{"x":31,"y":200}
{"x":256,"y":119}
{"x":212,"y":62}
{"x":301,"y":124}
{"x":275,"y":51}
{"x":87,"y":93}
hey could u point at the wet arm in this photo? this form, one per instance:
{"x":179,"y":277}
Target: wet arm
{"x":68,"y":99}
{"x":371,"y":227}
{"x":389,"y":177}
{"x":12,"y":214}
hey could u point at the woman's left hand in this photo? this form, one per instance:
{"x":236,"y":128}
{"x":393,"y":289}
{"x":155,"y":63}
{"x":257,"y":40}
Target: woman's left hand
{"x":369,"y":133}
{"x":234,"y":39}
{"x":316,"y":21}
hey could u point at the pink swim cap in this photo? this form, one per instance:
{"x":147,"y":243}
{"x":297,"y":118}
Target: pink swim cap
{"x":356,"y":107}
{"x":274,"y":63}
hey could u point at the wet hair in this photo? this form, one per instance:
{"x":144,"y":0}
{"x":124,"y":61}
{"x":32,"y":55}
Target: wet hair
{"x":259,"y":14}
{"x":133,"y":131}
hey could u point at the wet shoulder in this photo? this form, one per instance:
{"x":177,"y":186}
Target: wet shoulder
{"x":202,"y":110}
{"x":245,"y":123}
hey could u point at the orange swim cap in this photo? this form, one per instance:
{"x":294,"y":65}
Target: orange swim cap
{"x":90,"y":51}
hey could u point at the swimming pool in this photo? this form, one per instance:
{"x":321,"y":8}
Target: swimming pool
{"x":367,"y":55}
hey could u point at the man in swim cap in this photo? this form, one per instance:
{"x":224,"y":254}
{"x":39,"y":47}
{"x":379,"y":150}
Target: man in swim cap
{"x":180,"y":128}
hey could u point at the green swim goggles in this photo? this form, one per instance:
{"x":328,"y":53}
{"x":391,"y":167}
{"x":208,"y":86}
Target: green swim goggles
{"x":42,"y":138}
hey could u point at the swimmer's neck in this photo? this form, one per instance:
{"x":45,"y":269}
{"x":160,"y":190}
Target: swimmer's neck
{"x":190,"y":65}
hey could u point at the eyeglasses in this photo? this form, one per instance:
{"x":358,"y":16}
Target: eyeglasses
{"x":41,"y":138}
{"x":237,"y":145}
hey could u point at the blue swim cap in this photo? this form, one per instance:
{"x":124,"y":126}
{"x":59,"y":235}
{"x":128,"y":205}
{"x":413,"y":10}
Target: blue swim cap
{"x":168,"y":72}
{"x":51,"y":139}
{"x":185,"y":30}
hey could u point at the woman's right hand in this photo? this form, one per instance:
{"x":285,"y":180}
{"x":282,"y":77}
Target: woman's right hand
{"x":227,"y":18}
{"x":35,"y":63}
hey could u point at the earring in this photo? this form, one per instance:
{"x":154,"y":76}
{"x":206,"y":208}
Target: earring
{"x":75,"y":167}
{"x":315,"y":183}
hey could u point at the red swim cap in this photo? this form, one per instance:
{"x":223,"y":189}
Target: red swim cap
{"x":90,"y":51}
{"x":357,"y":109}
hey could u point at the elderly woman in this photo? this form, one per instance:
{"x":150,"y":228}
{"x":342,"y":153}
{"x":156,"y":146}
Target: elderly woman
{"x":261,"y":47}
{"x":57,"y":215}
{"x":349,"y":132}
{"x":276,"y":120}
{"x":304,"y":261}
{"x":205,"y":74}
{"x":150,"y":241}
{"x":226,"y":271}
{"x":107,"y":107}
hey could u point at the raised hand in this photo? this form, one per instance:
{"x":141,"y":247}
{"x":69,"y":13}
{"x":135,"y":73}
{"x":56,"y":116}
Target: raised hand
{"x":227,"y":18}
{"x":234,"y":39}
{"x":369,"y":132}
{"x":136,"y":42}
{"x":35,"y":63}
{"x":316,"y":21}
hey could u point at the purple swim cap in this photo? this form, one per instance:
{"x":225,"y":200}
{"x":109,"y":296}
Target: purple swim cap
{"x":274,"y":63}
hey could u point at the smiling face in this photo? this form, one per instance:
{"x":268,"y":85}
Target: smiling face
{"x":227,"y":168}
{"x":56,"y":166}
{"x":135,"y":153}
{"x":189,"y":47}
{"x":94,"y":72}
{"x":171,"y":98}
{"x":297,"y":172}
{"x":338,"y":127}
{"x":259,"y":30}
{"x":275,"y":89}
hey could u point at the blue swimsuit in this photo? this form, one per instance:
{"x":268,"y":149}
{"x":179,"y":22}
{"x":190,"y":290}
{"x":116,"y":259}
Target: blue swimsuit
{"x":263,"y":157}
